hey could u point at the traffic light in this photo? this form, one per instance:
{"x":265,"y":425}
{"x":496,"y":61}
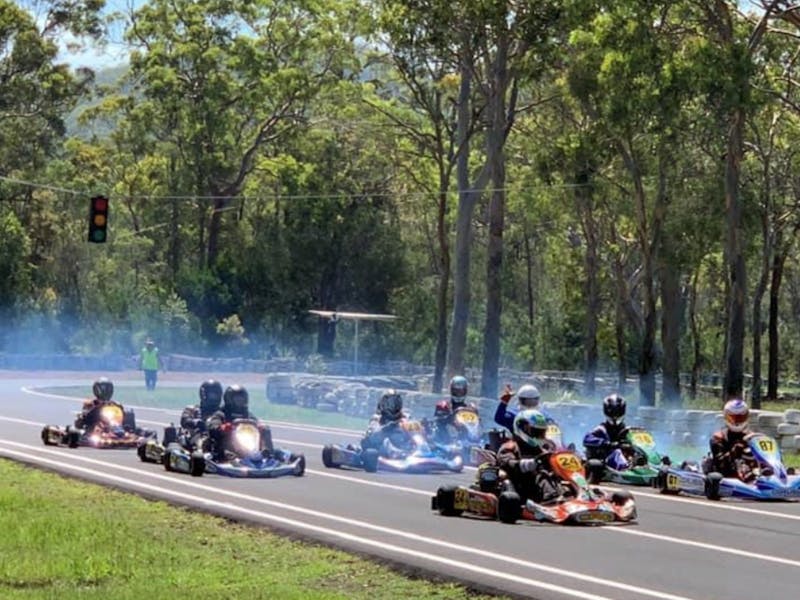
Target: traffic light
{"x":98,"y":219}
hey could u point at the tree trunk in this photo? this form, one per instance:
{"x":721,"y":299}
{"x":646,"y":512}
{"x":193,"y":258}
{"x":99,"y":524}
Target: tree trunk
{"x":778,"y":263}
{"x":440,"y":360}
{"x":467,"y":198}
{"x":591,"y":287}
{"x":697,"y":356}
{"x":734,"y":254}
{"x":671,"y":306}
{"x":529,"y":280}
{"x":758,"y":297}
{"x":494,"y":261}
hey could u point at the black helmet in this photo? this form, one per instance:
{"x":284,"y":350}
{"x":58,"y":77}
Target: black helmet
{"x":236,"y":402}
{"x":614,"y":408}
{"x":103,"y":389}
{"x":210,"y":397}
{"x":390,"y":406}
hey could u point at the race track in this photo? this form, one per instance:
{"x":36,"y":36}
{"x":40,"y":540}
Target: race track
{"x":680,"y":547}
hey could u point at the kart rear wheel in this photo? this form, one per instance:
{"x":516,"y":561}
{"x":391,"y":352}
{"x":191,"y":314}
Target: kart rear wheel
{"x":140,"y":451}
{"x":509,"y":507}
{"x":445,"y":501}
{"x":73,"y":437}
{"x":327,"y":457}
{"x":620,"y":497}
{"x":711,"y":487}
{"x":370,"y":460}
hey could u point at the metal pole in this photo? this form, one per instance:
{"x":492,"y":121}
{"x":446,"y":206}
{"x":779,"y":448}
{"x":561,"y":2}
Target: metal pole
{"x":355,"y":365}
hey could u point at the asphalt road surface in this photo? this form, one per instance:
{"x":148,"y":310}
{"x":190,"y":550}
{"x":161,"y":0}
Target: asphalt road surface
{"x":679,"y":548}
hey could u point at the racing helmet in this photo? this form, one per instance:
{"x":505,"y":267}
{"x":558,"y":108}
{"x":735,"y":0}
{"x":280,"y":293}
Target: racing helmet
{"x":458,"y":391}
{"x":530,"y":427}
{"x":614,"y":408}
{"x":390,"y":406}
{"x":103,"y":389}
{"x":236,"y":402}
{"x":210,"y":397}
{"x":528,"y":396}
{"x":737,"y":414}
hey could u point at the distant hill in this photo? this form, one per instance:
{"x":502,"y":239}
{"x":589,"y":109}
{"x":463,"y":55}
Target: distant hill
{"x":104,"y":78}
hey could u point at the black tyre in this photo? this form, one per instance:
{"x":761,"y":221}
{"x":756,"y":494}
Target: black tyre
{"x":73,"y":438}
{"x":46,"y":437}
{"x":170,"y":436}
{"x":165,"y":460}
{"x":300,"y":470}
{"x":327,"y":457}
{"x":370,"y":459}
{"x":712,"y":482}
{"x":509,"y":507}
{"x":595,"y":470}
{"x":129,"y":420}
{"x":620,"y":497}
{"x":141,"y":452}
{"x":445,"y":501}
{"x":197,"y":464}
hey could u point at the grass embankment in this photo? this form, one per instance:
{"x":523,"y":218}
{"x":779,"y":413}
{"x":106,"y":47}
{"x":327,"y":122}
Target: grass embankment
{"x":178,"y":397}
{"x":68,"y":539}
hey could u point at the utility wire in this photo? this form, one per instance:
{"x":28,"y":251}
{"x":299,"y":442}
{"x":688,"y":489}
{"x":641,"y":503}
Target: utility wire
{"x":261,"y":197}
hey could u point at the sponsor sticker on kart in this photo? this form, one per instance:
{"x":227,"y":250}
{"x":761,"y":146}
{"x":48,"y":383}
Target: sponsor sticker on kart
{"x":467,"y":417}
{"x":642,"y":438}
{"x":595,"y":516}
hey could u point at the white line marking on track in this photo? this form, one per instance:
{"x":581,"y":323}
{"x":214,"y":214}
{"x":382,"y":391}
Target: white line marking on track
{"x":736,"y":551}
{"x":26,"y":456}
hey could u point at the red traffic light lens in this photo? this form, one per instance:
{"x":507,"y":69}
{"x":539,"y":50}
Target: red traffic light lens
{"x":100,"y":204}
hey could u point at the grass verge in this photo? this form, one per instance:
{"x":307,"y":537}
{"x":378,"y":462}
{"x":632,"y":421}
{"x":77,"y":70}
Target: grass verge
{"x":69,"y":539}
{"x":178,"y":397}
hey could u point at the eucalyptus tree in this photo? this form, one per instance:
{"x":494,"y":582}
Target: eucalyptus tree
{"x":230,"y":79}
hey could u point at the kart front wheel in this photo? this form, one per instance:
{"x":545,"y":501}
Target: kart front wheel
{"x":446,"y":500}
{"x":197,"y":464}
{"x":327,"y":457}
{"x":509,"y":507}
{"x":711,"y":487}
{"x":370,"y":460}
{"x":46,"y":437}
{"x":166,"y":460}
{"x":300,"y":469}
{"x":620,"y":497}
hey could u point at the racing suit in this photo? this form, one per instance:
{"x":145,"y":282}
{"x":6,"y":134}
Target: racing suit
{"x":529,"y":476}
{"x":726,"y":447}
{"x":214,"y":425}
{"x":442,"y":430}
{"x":384,"y":434}
{"x":90,"y":413}
{"x":601,"y":441}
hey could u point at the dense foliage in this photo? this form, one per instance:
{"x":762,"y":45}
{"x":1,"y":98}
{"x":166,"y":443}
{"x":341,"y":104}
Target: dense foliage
{"x":595,"y":186}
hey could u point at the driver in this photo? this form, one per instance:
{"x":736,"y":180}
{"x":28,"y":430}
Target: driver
{"x":610,"y":437}
{"x":235,"y":405}
{"x":445,"y":410}
{"x":194,"y":416}
{"x":728,"y":445}
{"x":383,"y":425}
{"x":89,"y":416}
{"x":519,"y":457}
{"x":528,"y":396}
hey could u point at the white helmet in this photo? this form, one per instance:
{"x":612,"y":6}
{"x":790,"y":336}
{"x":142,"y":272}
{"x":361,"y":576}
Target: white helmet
{"x":736,"y":414}
{"x":528,"y":396}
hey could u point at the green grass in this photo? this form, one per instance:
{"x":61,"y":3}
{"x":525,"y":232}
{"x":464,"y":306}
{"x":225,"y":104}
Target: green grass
{"x":178,"y":397}
{"x":68,"y":539}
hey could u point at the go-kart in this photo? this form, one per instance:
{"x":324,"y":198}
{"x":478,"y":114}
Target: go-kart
{"x":115,"y":428}
{"x":411,"y":454}
{"x":246,"y":452}
{"x":466,"y":434}
{"x":492,"y":495}
{"x":635,"y":462}
{"x":761,"y":475}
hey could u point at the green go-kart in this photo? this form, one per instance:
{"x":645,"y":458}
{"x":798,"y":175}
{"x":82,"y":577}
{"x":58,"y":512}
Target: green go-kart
{"x":634,"y":462}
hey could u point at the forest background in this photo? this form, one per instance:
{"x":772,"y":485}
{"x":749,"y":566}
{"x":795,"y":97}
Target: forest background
{"x":607,"y":185}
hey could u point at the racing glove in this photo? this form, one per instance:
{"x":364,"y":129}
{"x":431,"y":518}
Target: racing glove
{"x":528,"y":465}
{"x":507,"y":394}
